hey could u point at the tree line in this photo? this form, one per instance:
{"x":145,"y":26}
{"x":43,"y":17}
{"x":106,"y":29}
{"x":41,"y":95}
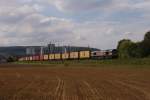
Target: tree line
{"x":129,"y":49}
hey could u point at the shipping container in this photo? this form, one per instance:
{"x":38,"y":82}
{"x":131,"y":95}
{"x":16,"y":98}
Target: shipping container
{"x":34,"y":58}
{"x":37,"y":58}
{"x":51,"y":56}
{"x":20,"y":59}
{"x":23,"y":59}
{"x":74,"y":55}
{"x":41,"y":57}
{"x":26,"y":58}
{"x":65,"y":56}
{"x":85,"y":54}
{"x":46,"y":57}
{"x":30,"y":58}
{"x":57,"y":56}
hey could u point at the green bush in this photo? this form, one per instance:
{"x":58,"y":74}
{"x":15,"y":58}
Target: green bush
{"x":11,"y":59}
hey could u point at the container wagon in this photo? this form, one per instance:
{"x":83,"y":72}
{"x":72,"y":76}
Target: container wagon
{"x":41,"y":57}
{"x":46,"y":57}
{"x":74,"y":55}
{"x":65,"y":56}
{"x":85,"y":55}
{"x":57,"y":56}
{"x":51,"y":56}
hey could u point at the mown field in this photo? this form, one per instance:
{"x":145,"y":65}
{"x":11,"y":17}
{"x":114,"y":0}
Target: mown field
{"x":92,"y":80}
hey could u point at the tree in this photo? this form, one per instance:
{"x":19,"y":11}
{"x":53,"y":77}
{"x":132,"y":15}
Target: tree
{"x":11,"y":59}
{"x":147,"y":37}
{"x":124,"y":47}
{"x":146,"y":44}
{"x":135,"y":50}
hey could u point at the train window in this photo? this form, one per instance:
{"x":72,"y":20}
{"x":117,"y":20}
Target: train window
{"x":94,"y":53}
{"x":107,"y":53}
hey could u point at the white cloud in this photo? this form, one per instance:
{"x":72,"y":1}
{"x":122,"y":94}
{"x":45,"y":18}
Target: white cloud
{"x":29,"y":22}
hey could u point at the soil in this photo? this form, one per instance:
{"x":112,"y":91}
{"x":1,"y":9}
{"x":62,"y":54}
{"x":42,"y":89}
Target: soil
{"x":39,"y":82}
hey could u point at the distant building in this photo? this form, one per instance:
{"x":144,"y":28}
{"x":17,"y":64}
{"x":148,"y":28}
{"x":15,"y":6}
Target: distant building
{"x":13,"y":51}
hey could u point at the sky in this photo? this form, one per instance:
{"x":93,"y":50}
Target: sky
{"x":94,"y":23}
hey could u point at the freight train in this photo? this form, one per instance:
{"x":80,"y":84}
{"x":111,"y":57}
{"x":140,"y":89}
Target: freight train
{"x":79,"y":55}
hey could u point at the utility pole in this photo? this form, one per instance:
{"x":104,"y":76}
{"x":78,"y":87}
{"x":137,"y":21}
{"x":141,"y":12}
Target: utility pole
{"x":41,"y":51}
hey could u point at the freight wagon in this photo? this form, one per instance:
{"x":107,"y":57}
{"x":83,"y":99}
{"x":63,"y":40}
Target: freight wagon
{"x":46,"y":57}
{"x":51,"y":56}
{"x":84,"y":54}
{"x":41,"y":57}
{"x":74,"y":55}
{"x":34,"y":58}
{"x":37,"y":58}
{"x":65,"y":56}
{"x":57,"y":56}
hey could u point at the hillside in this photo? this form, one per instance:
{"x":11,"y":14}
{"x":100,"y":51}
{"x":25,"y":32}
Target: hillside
{"x":14,"y":51}
{"x":21,"y":50}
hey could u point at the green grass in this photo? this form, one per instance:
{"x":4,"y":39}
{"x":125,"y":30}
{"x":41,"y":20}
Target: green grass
{"x":145,"y":62}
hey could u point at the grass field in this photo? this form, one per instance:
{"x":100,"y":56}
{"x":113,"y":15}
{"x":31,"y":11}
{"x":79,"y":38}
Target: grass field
{"x":84,"y":80}
{"x":130,"y":63}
